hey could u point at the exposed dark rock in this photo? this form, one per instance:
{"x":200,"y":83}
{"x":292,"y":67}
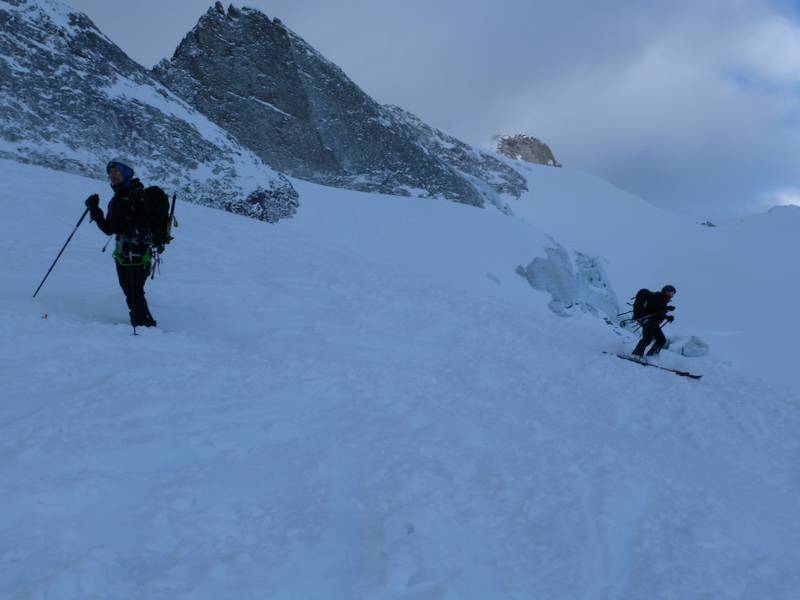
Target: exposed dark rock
{"x":267,"y":206}
{"x":527,"y":148}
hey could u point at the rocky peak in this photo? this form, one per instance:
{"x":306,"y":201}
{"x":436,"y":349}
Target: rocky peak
{"x":526,"y":148}
{"x":301,"y":113}
{"x":238,"y":69}
{"x":218,"y":11}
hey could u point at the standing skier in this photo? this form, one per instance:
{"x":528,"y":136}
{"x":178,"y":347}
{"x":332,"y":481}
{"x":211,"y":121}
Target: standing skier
{"x":656,"y":308}
{"x":132,"y":253}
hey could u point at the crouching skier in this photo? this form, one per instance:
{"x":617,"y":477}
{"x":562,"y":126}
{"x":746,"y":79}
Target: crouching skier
{"x":125,"y":220}
{"x":650,"y":310}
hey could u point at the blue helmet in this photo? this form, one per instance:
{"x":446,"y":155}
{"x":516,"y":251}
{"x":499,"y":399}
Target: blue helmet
{"x":126,"y":171}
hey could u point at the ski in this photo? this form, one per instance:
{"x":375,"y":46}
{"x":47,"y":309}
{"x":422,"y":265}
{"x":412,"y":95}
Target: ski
{"x":647,"y":364}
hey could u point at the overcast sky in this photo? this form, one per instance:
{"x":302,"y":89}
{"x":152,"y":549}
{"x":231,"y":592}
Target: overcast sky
{"x":692,"y":104}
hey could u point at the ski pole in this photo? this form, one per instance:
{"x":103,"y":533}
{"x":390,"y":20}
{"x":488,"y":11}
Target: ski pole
{"x":135,"y":316}
{"x":62,"y":251}
{"x":156,"y":263}
{"x":625,"y":313}
{"x":172,"y":219}
{"x":108,"y":241}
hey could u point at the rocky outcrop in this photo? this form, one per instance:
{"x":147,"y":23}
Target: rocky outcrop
{"x":300,"y":113}
{"x":526,"y":148}
{"x":70,"y":99}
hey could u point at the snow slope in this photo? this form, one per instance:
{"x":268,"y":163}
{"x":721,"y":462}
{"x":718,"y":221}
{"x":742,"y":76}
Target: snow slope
{"x":364,"y":401}
{"x":736,"y":282}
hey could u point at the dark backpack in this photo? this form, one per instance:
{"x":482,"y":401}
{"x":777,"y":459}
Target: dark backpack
{"x":152,"y":211}
{"x":640,"y":303}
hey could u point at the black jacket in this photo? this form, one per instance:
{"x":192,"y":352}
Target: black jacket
{"x":121,"y":220}
{"x":657,"y":306}
{"x":121,"y":217}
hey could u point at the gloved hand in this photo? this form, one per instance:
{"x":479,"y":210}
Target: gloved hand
{"x":670,"y":308}
{"x":92,"y":201}
{"x":669,"y":318}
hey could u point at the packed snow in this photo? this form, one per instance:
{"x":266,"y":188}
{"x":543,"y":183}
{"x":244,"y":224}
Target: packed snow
{"x":368,"y":401}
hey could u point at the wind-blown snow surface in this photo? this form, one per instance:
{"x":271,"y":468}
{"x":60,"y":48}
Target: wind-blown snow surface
{"x":365,"y":401}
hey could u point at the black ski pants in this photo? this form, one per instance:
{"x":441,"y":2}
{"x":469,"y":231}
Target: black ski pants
{"x":132,"y":279}
{"x":650,"y":331}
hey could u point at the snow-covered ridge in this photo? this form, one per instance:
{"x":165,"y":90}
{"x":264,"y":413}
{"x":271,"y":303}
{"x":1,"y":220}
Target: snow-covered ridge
{"x":51,"y":14}
{"x":72,"y":100}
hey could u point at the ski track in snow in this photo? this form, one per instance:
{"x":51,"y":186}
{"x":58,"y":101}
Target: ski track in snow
{"x":345,"y":405}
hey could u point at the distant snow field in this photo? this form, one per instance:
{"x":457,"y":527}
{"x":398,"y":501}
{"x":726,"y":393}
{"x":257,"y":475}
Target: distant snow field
{"x":369,"y":401}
